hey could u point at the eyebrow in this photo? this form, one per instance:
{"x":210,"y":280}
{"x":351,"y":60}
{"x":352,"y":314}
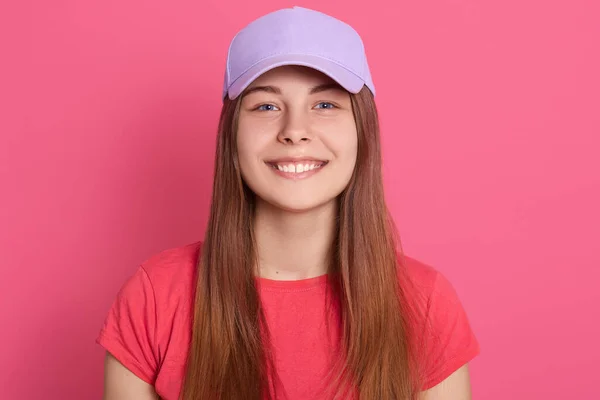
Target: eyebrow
{"x":268,"y":89}
{"x":275,"y":90}
{"x":324,"y":87}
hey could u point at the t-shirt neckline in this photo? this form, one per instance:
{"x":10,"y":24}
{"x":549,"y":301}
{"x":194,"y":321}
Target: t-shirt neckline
{"x":293,"y":285}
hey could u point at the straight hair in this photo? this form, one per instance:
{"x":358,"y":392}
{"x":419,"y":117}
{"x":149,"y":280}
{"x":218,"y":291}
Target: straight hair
{"x":229,"y":356}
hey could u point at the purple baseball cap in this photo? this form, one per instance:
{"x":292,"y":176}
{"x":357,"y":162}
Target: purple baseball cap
{"x":297,"y":36}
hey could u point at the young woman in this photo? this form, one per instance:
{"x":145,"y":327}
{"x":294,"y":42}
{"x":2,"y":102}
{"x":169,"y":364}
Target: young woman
{"x":299,"y":290}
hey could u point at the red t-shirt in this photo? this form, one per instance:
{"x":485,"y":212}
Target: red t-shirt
{"x":148,"y":327}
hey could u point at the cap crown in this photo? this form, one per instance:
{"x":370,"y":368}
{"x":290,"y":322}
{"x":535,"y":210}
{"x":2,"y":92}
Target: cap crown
{"x":297,"y":31}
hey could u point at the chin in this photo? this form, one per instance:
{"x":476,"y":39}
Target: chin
{"x":299,"y":205}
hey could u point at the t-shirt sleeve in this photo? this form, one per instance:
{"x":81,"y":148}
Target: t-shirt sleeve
{"x":129,"y":330}
{"x":449,"y":341}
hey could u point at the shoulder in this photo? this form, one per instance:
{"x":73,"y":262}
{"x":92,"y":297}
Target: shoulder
{"x":153,"y":306}
{"x":425,"y":284}
{"x":163,"y":281}
{"x":418,"y":280}
{"x":421,"y":274}
{"x":172,"y":271}
{"x":446,"y":340}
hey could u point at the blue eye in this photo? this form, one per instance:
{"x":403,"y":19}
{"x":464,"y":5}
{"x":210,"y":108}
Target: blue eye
{"x":325,"y":105}
{"x":266,"y":107}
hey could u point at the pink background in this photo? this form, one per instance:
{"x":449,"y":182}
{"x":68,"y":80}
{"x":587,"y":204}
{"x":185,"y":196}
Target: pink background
{"x":491,"y":123}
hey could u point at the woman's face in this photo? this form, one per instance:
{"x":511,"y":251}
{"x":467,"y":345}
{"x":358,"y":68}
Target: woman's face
{"x":296,"y":138}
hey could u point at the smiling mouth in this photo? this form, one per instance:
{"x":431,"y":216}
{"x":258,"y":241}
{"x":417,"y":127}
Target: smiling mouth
{"x":297,"y":167}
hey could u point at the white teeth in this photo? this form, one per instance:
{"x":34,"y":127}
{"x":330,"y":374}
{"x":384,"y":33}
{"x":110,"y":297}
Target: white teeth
{"x":293,"y":168}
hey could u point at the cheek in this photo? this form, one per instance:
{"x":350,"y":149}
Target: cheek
{"x":248,"y":141}
{"x":345,"y":143}
{"x":251,"y":145}
{"x":246,"y":156}
{"x":254,"y":135}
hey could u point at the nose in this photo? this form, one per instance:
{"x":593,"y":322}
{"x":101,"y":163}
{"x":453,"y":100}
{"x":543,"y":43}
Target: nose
{"x":295,"y":128}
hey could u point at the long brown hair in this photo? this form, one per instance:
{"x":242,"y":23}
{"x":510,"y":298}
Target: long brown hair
{"x":229,"y":355}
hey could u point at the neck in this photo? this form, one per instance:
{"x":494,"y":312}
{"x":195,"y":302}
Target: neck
{"x":293,"y":246}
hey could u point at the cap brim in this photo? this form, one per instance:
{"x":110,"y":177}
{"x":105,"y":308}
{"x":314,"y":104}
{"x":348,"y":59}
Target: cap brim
{"x":345,"y":78}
